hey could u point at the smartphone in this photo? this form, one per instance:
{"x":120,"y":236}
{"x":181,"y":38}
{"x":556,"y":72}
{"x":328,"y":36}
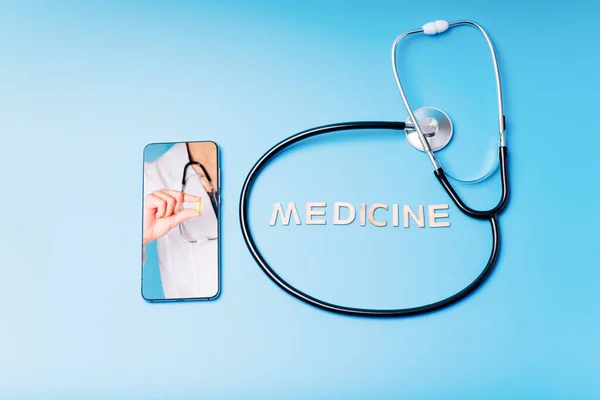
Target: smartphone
{"x":180,"y":222}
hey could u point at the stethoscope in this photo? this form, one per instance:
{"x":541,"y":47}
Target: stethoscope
{"x":432,"y":132}
{"x":212,"y":195}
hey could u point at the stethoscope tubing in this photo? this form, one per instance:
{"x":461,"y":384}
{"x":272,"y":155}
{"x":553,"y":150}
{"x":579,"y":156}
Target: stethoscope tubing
{"x":491,"y":215}
{"x":212,"y":195}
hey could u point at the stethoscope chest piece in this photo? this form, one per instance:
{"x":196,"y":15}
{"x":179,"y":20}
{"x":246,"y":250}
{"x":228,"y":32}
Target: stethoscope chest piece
{"x":436,"y":126}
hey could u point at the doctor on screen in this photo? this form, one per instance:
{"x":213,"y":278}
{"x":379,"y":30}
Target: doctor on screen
{"x":184,"y":224}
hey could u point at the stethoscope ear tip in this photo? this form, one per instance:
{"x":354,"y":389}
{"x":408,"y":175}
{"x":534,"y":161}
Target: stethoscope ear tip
{"x":435,"y":27}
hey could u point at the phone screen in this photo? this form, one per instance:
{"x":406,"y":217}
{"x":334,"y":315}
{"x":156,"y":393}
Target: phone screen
{"x":180,"y":222}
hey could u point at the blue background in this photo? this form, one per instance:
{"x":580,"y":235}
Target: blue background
{"x":84,"y":86}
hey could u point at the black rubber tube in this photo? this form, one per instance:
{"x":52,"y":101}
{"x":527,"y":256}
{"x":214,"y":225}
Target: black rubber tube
{"x":491,"y":215}
{"x":502,"y":153}
{"x":212,"y":195}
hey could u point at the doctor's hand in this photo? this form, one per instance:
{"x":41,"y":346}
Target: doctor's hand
{"x":162,"y":212}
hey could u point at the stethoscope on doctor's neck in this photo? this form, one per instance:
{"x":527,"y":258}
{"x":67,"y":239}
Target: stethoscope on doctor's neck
{"x":431,"y":132}
{"x":212,"y":195}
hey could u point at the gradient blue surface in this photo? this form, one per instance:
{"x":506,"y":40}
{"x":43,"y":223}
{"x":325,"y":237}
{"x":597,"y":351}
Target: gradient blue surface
{"x":84,"y":86}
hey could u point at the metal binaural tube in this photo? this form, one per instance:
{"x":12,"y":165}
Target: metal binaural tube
{"x":424,"y":141}
{"x":501,"y":117}
{"x":440,"y":29}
